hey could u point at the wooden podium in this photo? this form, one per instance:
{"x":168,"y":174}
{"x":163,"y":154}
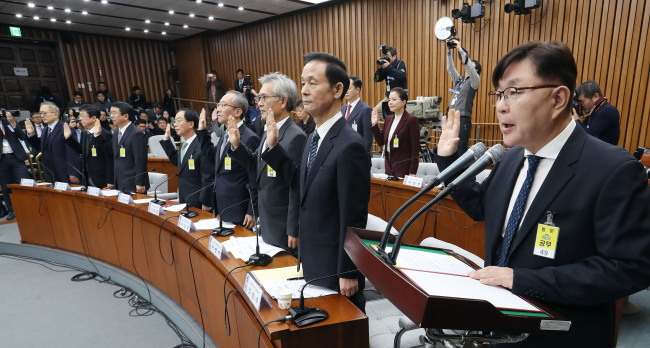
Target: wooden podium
{"x":442,"y":312}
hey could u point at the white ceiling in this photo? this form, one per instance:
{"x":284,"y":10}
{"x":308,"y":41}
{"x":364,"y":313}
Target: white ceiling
{"x":114,"y":17}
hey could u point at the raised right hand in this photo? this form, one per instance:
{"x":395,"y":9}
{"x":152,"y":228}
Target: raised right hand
{"x":98,"y":127}
{"x":66,"y":130}
{"x":29,"y":127}
{"x":167,"y":132}
{"x":272,"y":131}
{"x":448,"y":143}
{"x":233,"y":132}
{"x":374,"y":117}
{"x":202,"y":121}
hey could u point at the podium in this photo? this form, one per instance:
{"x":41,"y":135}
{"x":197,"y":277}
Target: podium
{"x":443,"y":312}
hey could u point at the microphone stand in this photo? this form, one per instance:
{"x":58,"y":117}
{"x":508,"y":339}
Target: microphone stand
{"x":51,"y":173}
{"x":223,"y":231}
{"x":129,"y":178}
{"x":257,"y":259}
{"x":155,"y":191}
{"x":84,"y":184}
{"x":187,"y":212}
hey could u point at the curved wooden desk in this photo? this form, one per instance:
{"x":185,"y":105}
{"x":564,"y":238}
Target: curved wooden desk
{"x":102,"y":228}
{"x":445,"y":220}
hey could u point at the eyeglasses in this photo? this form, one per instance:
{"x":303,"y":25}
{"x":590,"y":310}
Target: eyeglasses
{"x":262,"y":98}
{"x":223,"y":105}
{"x":511,"y":93}
{"x":43,"y":113}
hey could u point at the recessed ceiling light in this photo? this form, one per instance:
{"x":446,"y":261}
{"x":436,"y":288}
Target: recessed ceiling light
{"x":104,"y":2}
{"x":146,"y":30}
{"x":86,"y":0}
{"x":164,"y":33}
{"x":198,"y":1}
{"x":211,"y":18}
{"x":68,"y":21}
{"x":50,"y":7}
{"x":84,"y":12}
{"x":241,"y":8}
{"x":31,"y":4}
{"x":19,"y":15}
{"x":166,"y":23}
{"x":52,"y":19}
{"x":191,"y":14}
{"x":127,"y":28}
{"x":185,"y":26}
{"x":221,"y":4}
{"x":147,"y":21}
{"x":67,"y":10}
{"x":37,"y":17}
{"x":171,"y":11}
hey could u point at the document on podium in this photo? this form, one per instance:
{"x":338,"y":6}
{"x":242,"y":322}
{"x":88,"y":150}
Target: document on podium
{"x":244,"y":247}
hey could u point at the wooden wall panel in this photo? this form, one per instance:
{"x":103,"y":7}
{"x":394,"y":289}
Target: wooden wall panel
{"x":609,"y":40}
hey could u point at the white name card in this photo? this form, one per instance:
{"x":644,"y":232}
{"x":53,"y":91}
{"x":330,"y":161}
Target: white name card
{"x":254,"y":292}
{"x":62,"y":186}
{"x":28,"y":182}
{"x":186,"y":224}
{"x":124,"y":198}
{"x":414,"y":181}
{"x":94,"y":191}
{"x":217,"y":248}
{"x":156,"y":209}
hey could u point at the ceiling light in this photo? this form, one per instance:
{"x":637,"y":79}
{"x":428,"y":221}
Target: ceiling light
{"x":50,"y":8}
{"x":146,"y":30}
{"x":211,"y":18}
{"x":37,"y":17}
{"x":127,"y":28}
{"x":104,"y":2}
{"x":166,"y":23}
{"x":68,"y":21}
{"x":198,"y":1}
{"x":52,"y":19}
{"x":164,"y":33}
{"x":84,"y":12}
{"x":147,"y":21}
{"x":67,"y":10}
{"x":19,"y":15}
{"x":185,"y":26}
{"x":221,"y":4}
{"x":241,"y":8}
{"x":171,"y":11}
{"x":316,"y":1}
{"x":191,"y":14}
{"x":31,"y":4}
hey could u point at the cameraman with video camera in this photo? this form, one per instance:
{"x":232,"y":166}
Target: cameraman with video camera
{"x":465,"y":88}
{"x":392,"y":70}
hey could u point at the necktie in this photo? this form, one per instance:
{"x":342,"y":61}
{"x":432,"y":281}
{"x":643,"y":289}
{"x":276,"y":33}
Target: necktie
{"x":183,"y":149}
{"x":347,"y":114}
{"x":47,"y":132}
{"x":313,"y":148}
{"x":517,"y":211}
{"x":223,"y":144}
{"x":119,"y":136}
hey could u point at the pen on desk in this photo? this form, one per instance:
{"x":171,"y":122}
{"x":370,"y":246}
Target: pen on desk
{"x":296,"y":278}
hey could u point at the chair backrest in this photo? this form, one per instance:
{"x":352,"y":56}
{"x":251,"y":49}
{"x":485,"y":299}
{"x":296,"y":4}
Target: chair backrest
{"x":156,"y":179}
{"x":155,"y":148}
{"x":375,"y":223}
{"x":437,"y":243}
{"x":378,"y":166}
{"x":428,"y":171}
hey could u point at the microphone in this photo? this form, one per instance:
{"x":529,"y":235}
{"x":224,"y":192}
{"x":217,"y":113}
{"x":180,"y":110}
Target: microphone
{"x":303,"y":316}
{"x":223,"y":231}
{"x":129,"y":178}
{"x":257,"y":259}
{"x":471,"y":155}
{"x":492,"y":156}
{"x":392,"y":177}
{"x":83,"y":177}
{"x":187,"y":212}
{"x":48,"y":169}
{"x":155,"y":191}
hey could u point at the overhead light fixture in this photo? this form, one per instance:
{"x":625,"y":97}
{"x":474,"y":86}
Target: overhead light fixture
{"x":146,"y":30}
{"x":191,"y":14}
{"x":166,"y":23}
{"x":241,"y":8}
{"x":220,"y":4}
{"x":198,"y":1}
{"x":50,"y":8}
{"x":37,"y":17}
{"x":19,"y":15}
{"x":522,"y":7}
{"x":185,"y":26}
{"x":68,"y":21}
{"x":84,"y":12}
{"x":147,"y":21}
{"x":52,"y":19}
{"x":164,"y":33}
{"x":31,"y":4}
{"x":171,"y":11}
{"x":315,"y":1}
{"x":104,"y":2}
{"x":127,"y":28}
{"x":67,"y":10}
{"x":211,"y":18}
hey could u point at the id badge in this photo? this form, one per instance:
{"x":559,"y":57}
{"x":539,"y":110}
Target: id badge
{"x":354,"y":126}
{"x":227,"y":163}
{"x":395,"y":142}
{"x":547,"y":238}
{"x":270,"y":172}
{"x":93,"y":151}
{"x":453,"y":101}
{"x":190,"y":163}
{"x":122,"y":152}
{"x":265,"y":127}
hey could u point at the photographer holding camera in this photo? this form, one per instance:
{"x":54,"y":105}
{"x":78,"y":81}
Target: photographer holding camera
{"x":465,"y":88}
{"x":213,"y":86}
{"x":392,"y":70}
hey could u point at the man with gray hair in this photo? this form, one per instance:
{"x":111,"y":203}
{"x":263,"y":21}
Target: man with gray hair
{"x":231,"y":177}
{"x":279,"y":196}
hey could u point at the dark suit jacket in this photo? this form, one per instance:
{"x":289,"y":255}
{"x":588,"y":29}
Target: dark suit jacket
{"x":403,"y":160}
{"x":99,"y":169}
{"x":134,"y":162}
{"x":230,"y":185}
{"x":14,"y":141}
{"x":332,"y":198}
{"x":191,"y":180}
{"x":56,"y":154}
{"x":259,"y":124}
{"x":600,"y":200}
{"x":279,"y":197}
{"x":360,"y":116}
{"x":239,"y":87}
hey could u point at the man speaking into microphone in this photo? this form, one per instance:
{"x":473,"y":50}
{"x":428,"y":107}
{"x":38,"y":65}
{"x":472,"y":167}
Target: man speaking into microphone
{"x":567,"y":216}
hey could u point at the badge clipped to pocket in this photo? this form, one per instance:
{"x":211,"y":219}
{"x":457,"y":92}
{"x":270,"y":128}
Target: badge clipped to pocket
{"x":395,"y":142}
{"x":547,"y":237}
{"x":270,"y":172}
{"x":190,"y":163}
{"x":122,"y":152}
{"x":354,"y":126}
{"x":93,"y":151}
{"x":227,"y":163}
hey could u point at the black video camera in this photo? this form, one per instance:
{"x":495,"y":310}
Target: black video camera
{"x":3,"y":113}
{"x":577,"y":106}
{"x":383,"y":59}
{"x":247,"y":83}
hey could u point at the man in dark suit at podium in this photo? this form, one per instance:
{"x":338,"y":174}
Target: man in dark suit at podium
{"x":96,"y":148}
{"x":334,"y":176}
{"x":194,"y":170}
{"x":567,"y":216}
{"x":357,"y":113}
{"x":12,"y":160}
{"x":129,"y":152}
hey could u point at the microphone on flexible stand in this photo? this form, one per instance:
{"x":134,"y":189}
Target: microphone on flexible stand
{"x":257,"y":259}
{"x":224,"y":231}
{"x":492,"y":156}
{"x":129,"y":178}
{"x":303,"y":316}
{"x":51,"y":173}
{"x":392,"y":176}
{"x":472,"y":154}
{"x":187,"y":212}
{"x":83,"y":177}
{"x":155,"y":191}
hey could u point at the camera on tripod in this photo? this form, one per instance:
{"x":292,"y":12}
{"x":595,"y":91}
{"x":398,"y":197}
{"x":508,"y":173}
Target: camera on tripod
{"x":385,"y":58}
{"x":247,"y":83}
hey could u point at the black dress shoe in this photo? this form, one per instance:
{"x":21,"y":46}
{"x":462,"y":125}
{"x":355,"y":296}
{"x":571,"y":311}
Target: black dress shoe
{"x":11,"y":216}
{"x":3,"y":214}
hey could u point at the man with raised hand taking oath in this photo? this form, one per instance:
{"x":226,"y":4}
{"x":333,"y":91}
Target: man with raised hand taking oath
{"x":129,"y":152}
{"x":279,"y":195}
{"x":567,"y":216}
{"x":334,"y":176}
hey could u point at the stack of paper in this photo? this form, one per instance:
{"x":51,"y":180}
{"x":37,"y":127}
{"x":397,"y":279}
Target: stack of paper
{"x":210,"y":224}
{"x":287,"y":277}
{"x":110,"y":193}
{"x":175,"y":207}
{"x":244,"y":247}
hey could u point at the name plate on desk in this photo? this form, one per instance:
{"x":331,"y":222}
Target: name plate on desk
{"x":186,"y":224}
{"x":62,"y":186}
{"x":254,"y":292}
{"x":94,"y":191}
{"x":28,"y":182}
{"x":414,"y":181}
{"x":124,"y":198}
{"x":156,"y":209}
{"x":217,"y":248}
